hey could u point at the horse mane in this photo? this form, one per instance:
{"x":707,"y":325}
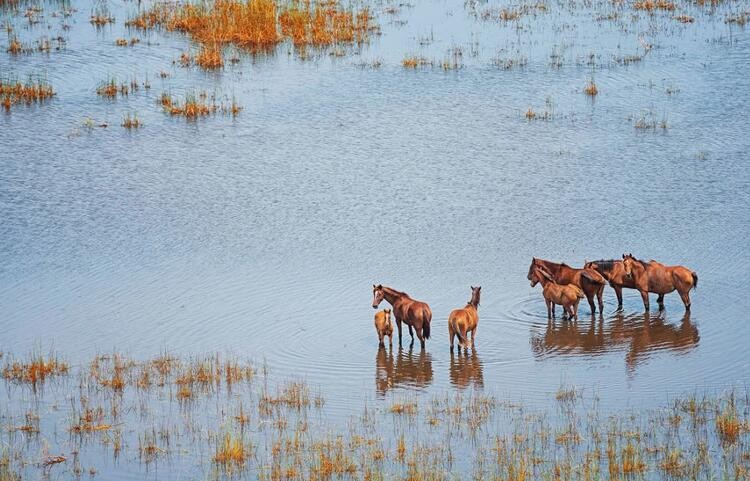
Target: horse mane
{"x":394,"y":291}
{"x":606,"y":264}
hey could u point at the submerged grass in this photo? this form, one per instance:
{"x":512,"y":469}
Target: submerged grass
{"x":14,"y":92}
{"x":135,"y":408}
{"x":258,"y":24}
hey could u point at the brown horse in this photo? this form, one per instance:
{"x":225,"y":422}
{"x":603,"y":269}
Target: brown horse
{"x":413,"y":313}
{"x":383,"y":326}
{"x":614,"y":272}
{"x":588,"y":280}
{"x":463,"y":321}
{"x":566,"y":295}
{"x":655,"y":277}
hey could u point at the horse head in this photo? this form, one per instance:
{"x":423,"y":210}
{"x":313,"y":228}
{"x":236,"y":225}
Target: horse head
{"x":475,"y":293}
{"x":377,"y":295}
{"x":627,"y":263}
{"x":531,"y":268}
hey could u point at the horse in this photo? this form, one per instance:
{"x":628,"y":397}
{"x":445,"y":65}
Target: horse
{"x":463,"y":321}
{"x":567,"y":295}
{"x":383,"y":326}
{"x":588,"y":280}
{"x":411,"y":312}
{"x":655,"y":277}
{"x":614,"y":272}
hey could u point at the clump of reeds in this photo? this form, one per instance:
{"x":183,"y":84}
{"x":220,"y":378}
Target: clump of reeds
{"x":231,"y":450}
{"x":210,"y":58}
{"x":111,"y":89}
{"x":261,"y":24}
{"x":591,"y":89}
{"x":15,"y":47}
{"x":728,"y":424}
{"x":90,"y":420}
{"x":415,"y":61}
{"x":38,"y":368}
{"x":684,"y":18}
{"x":651,"y":5}
{"x":123,"y":42}
{"x":407,"y":407}
{"x":133,"y":122}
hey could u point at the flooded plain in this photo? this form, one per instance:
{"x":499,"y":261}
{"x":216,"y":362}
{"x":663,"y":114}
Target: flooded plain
{"x":445,"y":148}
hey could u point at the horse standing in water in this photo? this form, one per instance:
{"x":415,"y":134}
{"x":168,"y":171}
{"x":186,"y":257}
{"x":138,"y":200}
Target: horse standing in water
{"x":614,"y":272}
{"x":463,"y":321}
{"x":411,"y":312}
{"x":588,"y":280}
{"x":655,"y":277}
{"x":566,"y":295}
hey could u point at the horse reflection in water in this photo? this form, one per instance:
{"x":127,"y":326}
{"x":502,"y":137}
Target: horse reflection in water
{"x":641,"y":334}
{"x":406,"y":368}
{"x":466,"y":369}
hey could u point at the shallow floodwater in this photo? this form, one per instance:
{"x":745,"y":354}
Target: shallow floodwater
{"x":262,"y":235}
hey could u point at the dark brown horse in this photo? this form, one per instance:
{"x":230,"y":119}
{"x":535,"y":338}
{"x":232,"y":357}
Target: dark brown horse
{"x":655,"y":277}
{"x":614,"y":272}
{"x":588,"y":280}
{"x":411,"y":312}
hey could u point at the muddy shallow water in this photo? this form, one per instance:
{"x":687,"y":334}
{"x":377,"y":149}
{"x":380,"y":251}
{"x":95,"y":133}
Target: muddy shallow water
{"x":262,"y":235}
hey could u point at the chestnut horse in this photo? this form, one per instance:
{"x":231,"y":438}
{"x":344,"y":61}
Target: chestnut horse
{"x":411,"y":312}
{"x":588,"y":280}
{"x":463,"y":321}
{"x":566,"y":295}
{"x":614,"y":272}
{"x":655,"y":277}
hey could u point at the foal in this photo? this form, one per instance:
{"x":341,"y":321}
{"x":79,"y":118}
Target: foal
{"x":384,"y":326}
{"x":568,"y":295}
{"x":463,"y":321}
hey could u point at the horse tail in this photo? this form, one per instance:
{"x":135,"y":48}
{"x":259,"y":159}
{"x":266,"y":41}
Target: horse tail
{"x":695,"y":280}
{"x":579,"y":292}
{"x":456,"y":329}
{"x":426,"y":319}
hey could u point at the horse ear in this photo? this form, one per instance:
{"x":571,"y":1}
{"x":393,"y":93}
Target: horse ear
{"x":623,"y":256}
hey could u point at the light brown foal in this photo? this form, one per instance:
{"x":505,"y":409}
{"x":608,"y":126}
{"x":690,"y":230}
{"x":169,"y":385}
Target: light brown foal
{"x":463,"y":321}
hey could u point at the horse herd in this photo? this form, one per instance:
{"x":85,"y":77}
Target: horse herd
{"x":561,"y":285}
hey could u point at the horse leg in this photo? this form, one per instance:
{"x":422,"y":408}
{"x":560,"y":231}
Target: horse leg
{"x":473,"y":336}
{"x":660,"y":301}
{"x":411,"y":333}
{"x":644,"y":296}
{"x":549,"y":310}
{"x":451,"y":334}
{"x":380,"y":338}
{"x":419,"y":336}
{"x":590,"y":298}
{"x":599,"y":295}
{"x":618,"y":293}
{"x":685,"y":295}
{"x":398,"y":325}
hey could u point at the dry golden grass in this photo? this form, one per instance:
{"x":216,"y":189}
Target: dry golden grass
{"x":651,"y":5}
{"x":591,"y":89}
{"x":134,"y":123}
{"x":415,"y":62}
{"x":684,"y":19}
{"x":259,"y":24}
{"x":111,"y":89}
{"x":37,"y":369}
{"x":728,"y":424}
{"x":210,"y":58}
{"x":231,"y":450}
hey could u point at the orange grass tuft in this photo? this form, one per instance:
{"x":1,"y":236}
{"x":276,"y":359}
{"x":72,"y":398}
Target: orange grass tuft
{"x":38,"y":369}
{"x":260,"y":24}
{"x":231,"y":451}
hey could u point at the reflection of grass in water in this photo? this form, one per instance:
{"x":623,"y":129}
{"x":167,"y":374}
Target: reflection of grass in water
{"x":121,"y":405}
